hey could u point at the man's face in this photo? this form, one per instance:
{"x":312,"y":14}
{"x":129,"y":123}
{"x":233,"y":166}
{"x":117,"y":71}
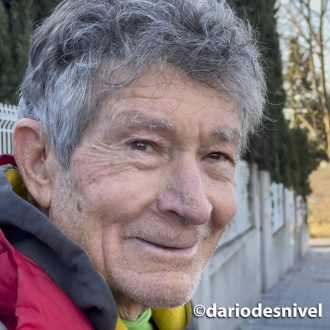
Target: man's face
{"x":151,"y":187}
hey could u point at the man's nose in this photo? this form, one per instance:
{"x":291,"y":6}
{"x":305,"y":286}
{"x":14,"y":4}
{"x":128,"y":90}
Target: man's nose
{"x":186,"y":194}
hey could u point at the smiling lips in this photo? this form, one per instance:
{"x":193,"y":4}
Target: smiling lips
{"x":171,"y":247}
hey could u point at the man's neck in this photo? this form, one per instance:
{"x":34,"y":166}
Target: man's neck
{"x":127,"y":309}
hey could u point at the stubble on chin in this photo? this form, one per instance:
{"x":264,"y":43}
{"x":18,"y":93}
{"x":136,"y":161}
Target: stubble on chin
{"x":163,"y":289}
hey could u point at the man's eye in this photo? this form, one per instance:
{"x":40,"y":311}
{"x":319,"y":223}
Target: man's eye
{"x":141,"y":145}
{"x":218,"y":156}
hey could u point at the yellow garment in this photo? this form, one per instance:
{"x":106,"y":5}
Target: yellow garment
{"x":14,"y":178}
{"x":167,"y":318}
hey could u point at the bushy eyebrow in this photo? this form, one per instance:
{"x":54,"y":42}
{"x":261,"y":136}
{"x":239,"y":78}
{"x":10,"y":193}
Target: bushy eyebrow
{"x":137,"y":119}
{"x":229,"y":135}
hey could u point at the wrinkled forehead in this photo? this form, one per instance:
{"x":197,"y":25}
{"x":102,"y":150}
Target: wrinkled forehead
{"x":165,"y":100}
{"x":169,"y":83}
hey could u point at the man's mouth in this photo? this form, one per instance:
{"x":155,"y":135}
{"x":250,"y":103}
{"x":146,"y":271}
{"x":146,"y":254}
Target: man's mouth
{"x":169,"y":247}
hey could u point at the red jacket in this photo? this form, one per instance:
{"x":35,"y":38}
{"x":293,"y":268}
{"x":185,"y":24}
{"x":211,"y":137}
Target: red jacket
{"x":29,"y":297}
{"x":46,"y":280}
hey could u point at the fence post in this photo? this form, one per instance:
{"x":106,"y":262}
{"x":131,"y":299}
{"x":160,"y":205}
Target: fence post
{"x":289,"y":226}
{"x":267,"y":230}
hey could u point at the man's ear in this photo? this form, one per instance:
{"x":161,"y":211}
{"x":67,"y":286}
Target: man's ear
{"x":34,"y":160}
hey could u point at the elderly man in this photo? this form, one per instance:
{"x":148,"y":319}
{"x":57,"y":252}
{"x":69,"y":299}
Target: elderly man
{"x":132,"y":116}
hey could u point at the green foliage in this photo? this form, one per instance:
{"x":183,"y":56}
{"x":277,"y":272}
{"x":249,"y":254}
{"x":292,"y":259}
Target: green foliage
{"x":5,"y":54}
{"x":17,"y":20}
{"x":286,"y":153}
{"x":42,"y":9}
{"x":304,"y":157}
{"x":267,"y":147}
{"x":20,"y":31}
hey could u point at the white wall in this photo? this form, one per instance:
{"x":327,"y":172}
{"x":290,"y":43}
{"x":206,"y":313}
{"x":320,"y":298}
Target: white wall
{"x":268,"y":235}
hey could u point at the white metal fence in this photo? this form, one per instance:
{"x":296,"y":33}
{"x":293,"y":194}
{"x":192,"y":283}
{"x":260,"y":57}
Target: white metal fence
{"x":8,"y":117}
{"x":266,"y":238}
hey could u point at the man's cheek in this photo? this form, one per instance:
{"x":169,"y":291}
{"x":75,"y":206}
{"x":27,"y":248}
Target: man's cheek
{"x":211,"y":244}
{"x":225,"y":210}
{"x":117,"y":197}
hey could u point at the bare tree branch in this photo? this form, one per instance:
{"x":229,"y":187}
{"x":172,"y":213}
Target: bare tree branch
{"x":308,"y":42}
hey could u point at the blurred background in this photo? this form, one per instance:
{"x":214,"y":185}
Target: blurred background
{"x":283,"y":222}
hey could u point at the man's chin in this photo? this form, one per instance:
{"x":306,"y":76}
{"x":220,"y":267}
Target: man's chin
{"x":160,"y":290}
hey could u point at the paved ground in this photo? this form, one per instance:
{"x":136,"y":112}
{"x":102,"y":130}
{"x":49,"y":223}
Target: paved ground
{"x":307,"y":285}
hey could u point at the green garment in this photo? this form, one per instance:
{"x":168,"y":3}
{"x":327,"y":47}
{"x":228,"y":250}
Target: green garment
{"x":142,"y":323}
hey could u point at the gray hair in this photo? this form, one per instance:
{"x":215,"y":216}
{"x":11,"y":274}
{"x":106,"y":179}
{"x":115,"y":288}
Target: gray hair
{"x":86,"y":49}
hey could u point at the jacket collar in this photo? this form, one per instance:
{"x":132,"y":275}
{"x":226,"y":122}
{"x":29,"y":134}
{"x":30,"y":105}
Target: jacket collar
{"x":31,"y":232}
